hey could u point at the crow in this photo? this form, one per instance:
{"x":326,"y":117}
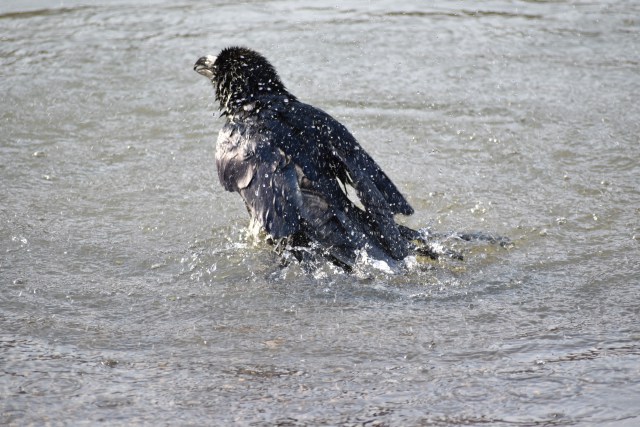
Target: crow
{"x":294,"y":166}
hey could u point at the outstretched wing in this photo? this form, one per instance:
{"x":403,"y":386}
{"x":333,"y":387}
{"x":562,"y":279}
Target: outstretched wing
{"x":264,"y":175}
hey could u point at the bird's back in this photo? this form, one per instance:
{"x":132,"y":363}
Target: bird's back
{"x":292,"y":164}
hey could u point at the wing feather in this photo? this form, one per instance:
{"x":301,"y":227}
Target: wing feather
{"x":263,"y":175}
{"x":327,"y":152}
{"x":349,"y":161}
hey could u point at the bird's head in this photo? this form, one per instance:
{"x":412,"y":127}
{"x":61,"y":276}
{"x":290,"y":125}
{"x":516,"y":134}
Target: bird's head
{"x":239,"y":76}
{"x":206,"y":66}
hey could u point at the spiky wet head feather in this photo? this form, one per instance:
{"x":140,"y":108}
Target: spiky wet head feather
{"x":242,"y":76}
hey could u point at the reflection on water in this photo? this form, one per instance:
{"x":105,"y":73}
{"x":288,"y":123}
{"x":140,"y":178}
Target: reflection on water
{"x":131,"y":294}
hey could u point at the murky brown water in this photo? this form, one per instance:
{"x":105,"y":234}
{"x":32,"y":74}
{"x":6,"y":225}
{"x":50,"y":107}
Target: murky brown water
{"x":129,"y":294}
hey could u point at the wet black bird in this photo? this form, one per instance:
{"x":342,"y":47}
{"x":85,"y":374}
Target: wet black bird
{"x":293,"y":165}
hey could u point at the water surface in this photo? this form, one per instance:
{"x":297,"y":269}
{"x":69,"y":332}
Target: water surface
{"x":130,"y":294}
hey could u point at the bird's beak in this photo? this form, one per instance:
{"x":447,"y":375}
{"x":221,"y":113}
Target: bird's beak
{"x":204,"y":66}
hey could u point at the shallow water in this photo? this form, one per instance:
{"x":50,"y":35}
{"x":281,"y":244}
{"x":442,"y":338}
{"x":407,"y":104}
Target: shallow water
{"x":130,"y":294}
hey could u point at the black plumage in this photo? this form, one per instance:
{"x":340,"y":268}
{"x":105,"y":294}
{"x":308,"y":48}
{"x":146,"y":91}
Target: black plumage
{"x":293,"y":163}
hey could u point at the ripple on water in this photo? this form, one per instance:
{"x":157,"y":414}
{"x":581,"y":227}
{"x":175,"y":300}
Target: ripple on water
{"x":50,"y":384}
